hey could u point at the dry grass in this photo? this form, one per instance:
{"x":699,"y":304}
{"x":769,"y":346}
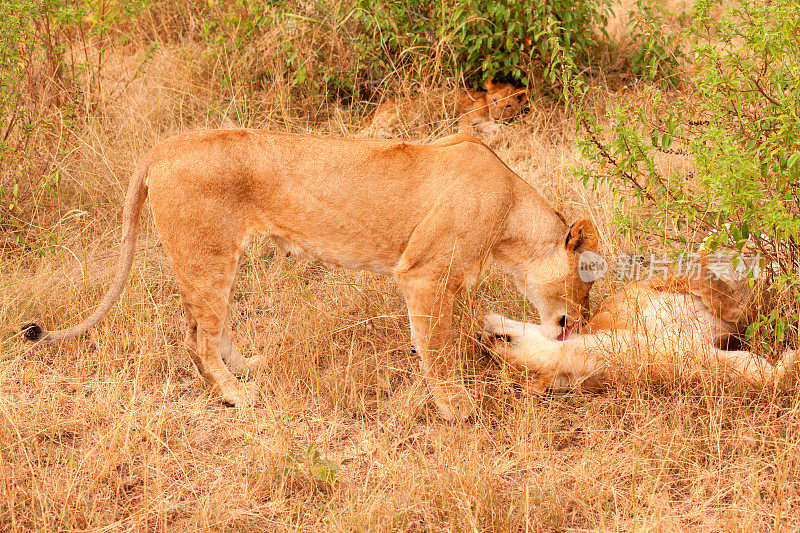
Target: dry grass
{"x":116,"y":431}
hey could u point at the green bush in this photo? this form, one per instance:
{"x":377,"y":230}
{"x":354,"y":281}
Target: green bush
{"x":657,"y":55}
{"x":477,"y":39}
{"x":347,"y":50}
{"x":738,"y":122}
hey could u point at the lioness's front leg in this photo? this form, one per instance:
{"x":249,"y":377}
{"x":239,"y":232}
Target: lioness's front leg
{"x":430,"y":309}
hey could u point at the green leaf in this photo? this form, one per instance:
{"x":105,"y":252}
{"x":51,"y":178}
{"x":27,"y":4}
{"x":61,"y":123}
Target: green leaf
{"x":666,"y":142}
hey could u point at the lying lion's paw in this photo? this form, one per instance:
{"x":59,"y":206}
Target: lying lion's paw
{"x":488,"y":127}
{"x":790,"y":362}
{"x":493,"y":332}
{"x":493,"y":323}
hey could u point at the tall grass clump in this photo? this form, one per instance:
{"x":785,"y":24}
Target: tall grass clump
{"x":53,"y":55}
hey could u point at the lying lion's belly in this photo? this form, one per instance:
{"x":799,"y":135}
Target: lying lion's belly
{"x":681,"y":317}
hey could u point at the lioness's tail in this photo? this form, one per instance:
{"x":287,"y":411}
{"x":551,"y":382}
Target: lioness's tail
{"x":134,"y":199}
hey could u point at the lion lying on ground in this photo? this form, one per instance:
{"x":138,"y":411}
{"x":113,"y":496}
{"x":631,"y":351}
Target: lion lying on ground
{"x":473,"y":110}
{"x":656,"y":330}
{"x":431,"y":216}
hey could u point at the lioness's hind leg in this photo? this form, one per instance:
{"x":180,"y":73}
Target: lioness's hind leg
{"x":232,"y":357}
{"x":205,"y":289}
{"x":190,"y":340}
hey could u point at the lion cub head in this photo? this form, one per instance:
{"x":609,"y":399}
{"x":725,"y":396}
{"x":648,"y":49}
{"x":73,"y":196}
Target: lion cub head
{"x":504,"y":100}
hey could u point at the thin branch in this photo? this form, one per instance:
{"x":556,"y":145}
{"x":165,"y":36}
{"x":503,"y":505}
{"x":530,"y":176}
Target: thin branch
{"x":764,"y":94}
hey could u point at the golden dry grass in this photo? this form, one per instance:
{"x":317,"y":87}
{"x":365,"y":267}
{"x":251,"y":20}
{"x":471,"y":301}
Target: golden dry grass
{"x":116,"y":431}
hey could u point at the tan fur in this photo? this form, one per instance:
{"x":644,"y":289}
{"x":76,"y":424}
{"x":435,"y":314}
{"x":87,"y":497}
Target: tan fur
{"x":473,"y":110}
{"x":432,"y":216}
{"x":657,"y":330}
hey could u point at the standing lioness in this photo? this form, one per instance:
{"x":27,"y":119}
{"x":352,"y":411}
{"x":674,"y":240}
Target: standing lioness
{"x":432,"y":216}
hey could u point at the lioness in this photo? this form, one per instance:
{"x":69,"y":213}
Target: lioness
{"x":432,"y":216}
{"x":657,"y":329}
{"x":474,"y":110}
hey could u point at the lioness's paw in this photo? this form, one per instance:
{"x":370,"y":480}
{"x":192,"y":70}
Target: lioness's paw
{"x":243,"y":396}
{"x":454,"y":405}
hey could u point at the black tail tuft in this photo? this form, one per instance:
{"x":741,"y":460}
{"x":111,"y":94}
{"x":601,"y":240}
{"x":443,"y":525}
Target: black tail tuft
{"x":32,"y":332}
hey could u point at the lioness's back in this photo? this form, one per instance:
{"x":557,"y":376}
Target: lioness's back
{"x":279,"y":155}
{"x":368,"y":196}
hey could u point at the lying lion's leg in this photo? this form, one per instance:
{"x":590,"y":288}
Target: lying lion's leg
{"x":741,"y":365}
{"x":431,"y":317}
{"x":553,"y":365}
{"x":673,"y":356}
{"x":495,"y":324}
{"x":753,"y":369}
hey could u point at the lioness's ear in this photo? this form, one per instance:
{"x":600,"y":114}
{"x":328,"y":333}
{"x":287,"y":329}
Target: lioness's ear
{"x":523,"y":97}
{"x":488,"y":85}
{"x":582,"y":235}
